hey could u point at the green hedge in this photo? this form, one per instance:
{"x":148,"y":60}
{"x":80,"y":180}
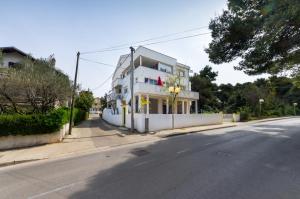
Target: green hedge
{"x":16,"y":124}
{"x":79,"y":115}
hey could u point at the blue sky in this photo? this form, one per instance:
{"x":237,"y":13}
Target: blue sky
{"x":64,"y":27}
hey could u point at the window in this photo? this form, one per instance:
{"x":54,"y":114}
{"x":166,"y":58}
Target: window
{"x":164,"y":68}
{"x":181,"y":73}
{"x":11,"y":64}
{"x":153,"y":81}
{"x":150,"y":81}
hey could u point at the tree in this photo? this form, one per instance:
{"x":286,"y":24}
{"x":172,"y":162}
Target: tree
{"x":84,"y":101}
{"x":34,"y":86}
{"x":265,"y":34}
{"x":203,"y":84}
{"x":1,"y":58}
{"x":173,"y":86}
{"x":103,"y":102}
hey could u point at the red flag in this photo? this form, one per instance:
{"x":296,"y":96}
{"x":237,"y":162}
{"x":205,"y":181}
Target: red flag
{"x":159,"y":82}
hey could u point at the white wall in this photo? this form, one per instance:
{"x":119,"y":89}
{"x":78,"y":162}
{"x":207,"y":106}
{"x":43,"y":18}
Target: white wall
{"x":231,"y":117}
{"x":182,"y":120}
{"x":139,"y":122}
{"x":11,"y":57}
{"x":108,"y":116}
{"x":164,"y":121}
{"x":18,"y":141}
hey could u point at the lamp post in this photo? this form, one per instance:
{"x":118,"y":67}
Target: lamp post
{"x":295,"y":104}
{"x":260,"y":103}
{"x":174,"y":91}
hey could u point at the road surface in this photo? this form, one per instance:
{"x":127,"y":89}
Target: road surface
{"x":261,"y":160}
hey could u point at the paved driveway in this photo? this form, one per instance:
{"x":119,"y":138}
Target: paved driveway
{"x":94,"y":127}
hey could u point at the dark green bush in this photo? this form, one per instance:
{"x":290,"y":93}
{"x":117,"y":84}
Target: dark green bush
{"x":17,"y":124}
{"x":245,"y":114}
{"x":79,"y":116}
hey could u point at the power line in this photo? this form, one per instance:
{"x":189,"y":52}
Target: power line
{"x":117,"y":47}
{"x":97,"y":62}
{"x":103,"y":83}
{"x":179,"y":38}
{"x":147,"y":44}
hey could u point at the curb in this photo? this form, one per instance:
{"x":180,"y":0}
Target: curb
{"x":268,"y":120}
{"x":19,"y":162}
{"x":195,"y":131}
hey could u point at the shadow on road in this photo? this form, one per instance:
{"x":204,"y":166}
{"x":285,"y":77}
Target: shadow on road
{"x":259,"y":162}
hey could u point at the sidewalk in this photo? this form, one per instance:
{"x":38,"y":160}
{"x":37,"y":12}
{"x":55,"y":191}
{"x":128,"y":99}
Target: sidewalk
{"x":92,"y":135}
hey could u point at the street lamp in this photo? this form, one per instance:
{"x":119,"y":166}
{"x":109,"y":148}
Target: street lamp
{"x":295,"y":104}
{"x":174,"y":91}
{"x":260,"y":103}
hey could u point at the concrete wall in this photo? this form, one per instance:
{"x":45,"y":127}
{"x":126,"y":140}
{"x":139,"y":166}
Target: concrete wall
{"x":164,"y":121}
{"x":139,"y":122}
{"x":108,"y":116}
{"x":18,"y":141}
{"x":231,"y":117}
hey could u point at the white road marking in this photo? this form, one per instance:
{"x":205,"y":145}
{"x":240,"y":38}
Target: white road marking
{"x":182,"y":151}
{"x":208,"y":144}
{"x":55,"y":190}
{"x":141,"y":163}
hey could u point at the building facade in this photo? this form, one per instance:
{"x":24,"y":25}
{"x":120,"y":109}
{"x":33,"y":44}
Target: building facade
{"x":152,"y":71}
{"x":96,"y":107}
{"x":10,"y":57}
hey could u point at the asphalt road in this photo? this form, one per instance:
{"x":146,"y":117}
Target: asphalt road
{"x":254,"y":161}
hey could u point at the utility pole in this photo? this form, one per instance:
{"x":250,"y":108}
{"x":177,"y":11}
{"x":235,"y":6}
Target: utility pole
{"x":73,"y":94}
{"x":131,"y":88}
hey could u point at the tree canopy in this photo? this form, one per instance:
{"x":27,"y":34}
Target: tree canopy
{"x":202,"y":82}
{"x":279,"y":94}
{"x":84,"y":101}
{"x":264,"y":34}
{"x":33,"y":86}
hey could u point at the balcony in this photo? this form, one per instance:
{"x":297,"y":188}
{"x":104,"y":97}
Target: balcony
{"x":113,"y":96}
{"x":143,"y":88}
{"x":118,"y":82}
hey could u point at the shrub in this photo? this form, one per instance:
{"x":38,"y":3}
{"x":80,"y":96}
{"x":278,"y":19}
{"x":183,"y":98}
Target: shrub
{"x":245,"y":114}
{"x":79,"y":116}
{"x":17,"y":124}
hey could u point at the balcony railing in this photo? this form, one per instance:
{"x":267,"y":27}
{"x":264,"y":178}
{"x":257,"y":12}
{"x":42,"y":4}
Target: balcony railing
{"x":160,"y":90}
{"x":118,"y":82}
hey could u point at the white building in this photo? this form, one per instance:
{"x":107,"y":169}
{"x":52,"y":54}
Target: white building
{"x":12,"y":56}
{"x":151,"y":68}
{"x":96,"y":107}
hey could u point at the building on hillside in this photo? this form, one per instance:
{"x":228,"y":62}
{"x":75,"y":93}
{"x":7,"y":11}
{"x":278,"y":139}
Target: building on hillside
{"x":152,"y":70}
{"x":96,"y":107}
{"x":11,"y":56}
